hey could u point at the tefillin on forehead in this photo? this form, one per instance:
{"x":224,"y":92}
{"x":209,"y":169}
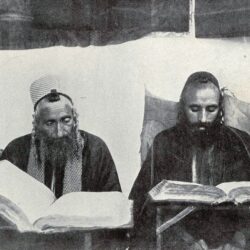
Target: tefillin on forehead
{"x":49,"y":87}
{"x":198,"y":79}
{"x":53,"y":96}
{"x":201,"y":77}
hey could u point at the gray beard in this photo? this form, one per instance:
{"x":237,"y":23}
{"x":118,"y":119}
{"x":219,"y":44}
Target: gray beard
{"x":57,"y":152}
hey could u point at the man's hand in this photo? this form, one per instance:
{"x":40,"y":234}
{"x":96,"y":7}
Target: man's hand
{"x":199,"y":245}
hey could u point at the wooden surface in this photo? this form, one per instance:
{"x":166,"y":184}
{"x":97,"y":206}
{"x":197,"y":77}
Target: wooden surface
{"x":161,"y":219}
{"x":14,"y":240}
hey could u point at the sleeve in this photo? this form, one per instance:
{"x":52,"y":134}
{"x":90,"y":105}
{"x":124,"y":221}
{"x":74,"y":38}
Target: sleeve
{"x":141,"y":186}
{"x":144,"y":212}
{"x":147,"y":178}
{"x":8,"y":153}
{"x":238,"y":159}
{"x":17,"y":152}
{"x":108,"y":180}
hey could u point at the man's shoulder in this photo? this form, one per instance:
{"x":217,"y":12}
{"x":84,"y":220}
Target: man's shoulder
{"x":17,"y":151}
{"x":237,"y":136}
{"x":236,"y":131}
{"x":21,"y":141}
{"x":92,"y":140}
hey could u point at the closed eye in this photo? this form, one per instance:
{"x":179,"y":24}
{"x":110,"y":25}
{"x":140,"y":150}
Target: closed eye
{"x":211,"y":108}
{"x":194,"y":108}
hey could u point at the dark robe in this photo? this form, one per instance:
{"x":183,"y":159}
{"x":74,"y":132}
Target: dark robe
{"x":98,"y":168}
{"x":98,"y":174}
{"x":172,"y":153}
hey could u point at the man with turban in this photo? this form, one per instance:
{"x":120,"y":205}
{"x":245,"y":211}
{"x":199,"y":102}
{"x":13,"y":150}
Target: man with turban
{"x":200,"y":149}
{"x":57,"y":153}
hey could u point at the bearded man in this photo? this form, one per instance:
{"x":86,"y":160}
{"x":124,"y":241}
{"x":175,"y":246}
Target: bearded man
{"x":201,"y":149}
{"x":57,"y":153}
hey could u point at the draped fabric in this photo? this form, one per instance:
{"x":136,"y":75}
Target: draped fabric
{"x":26,"y":24}
{"x":43,"y":23}
{"x":159,"y":114}
{"x":222,"y":18}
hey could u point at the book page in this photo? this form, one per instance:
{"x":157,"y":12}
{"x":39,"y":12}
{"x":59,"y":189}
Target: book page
{"x":186,"y":192}
{"x":239,"y":192}
{"x":240,"y":195}
{"x":13,"y":216}
{"x":228,"y":186}
{"x":31,"y":196}
{"x":88,"y":210}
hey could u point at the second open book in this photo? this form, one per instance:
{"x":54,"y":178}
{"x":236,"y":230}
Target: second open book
{"x":177,"y":191}
{"x":29,"y":205}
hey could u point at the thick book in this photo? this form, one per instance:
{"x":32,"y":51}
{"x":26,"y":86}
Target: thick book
{"x":178,"y":191}
{"x":28,"y":205}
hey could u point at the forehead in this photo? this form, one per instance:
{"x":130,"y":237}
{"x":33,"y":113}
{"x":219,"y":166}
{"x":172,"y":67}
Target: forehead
{"x":203,"y":94}
{"x":54,"y":110}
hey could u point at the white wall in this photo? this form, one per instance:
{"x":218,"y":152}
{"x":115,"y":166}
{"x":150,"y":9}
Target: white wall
{"x":107,"y":85}
{"x":173,"y":60}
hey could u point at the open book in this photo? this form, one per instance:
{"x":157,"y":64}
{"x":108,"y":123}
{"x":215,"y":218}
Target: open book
{"x":177,"y":191}
{"x":29,"y":205}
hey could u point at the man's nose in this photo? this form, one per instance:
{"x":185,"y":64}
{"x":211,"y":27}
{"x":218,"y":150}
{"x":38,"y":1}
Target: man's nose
{"x":59,"y":130}
{"x":203,"y":116}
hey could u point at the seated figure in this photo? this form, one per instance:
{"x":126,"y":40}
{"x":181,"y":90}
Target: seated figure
{"x":57,"y":153}
{"x":60,"y":155}
{"x":200,"y":149}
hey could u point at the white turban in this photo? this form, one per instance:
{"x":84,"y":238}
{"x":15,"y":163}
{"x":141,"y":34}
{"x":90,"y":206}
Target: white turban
{"x":44,"y":86}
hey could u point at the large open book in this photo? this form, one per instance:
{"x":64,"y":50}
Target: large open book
{"x":29,"y":205}
{"x":177,"y":191}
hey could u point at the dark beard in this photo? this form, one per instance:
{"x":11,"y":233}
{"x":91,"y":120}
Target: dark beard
{"x":57,"y":151}
{"x":204,"y":137}
{"x":201,"y":128}
{"x":200,"y":137}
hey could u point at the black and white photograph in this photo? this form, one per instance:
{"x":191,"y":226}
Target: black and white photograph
{"x":125,"y":124}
